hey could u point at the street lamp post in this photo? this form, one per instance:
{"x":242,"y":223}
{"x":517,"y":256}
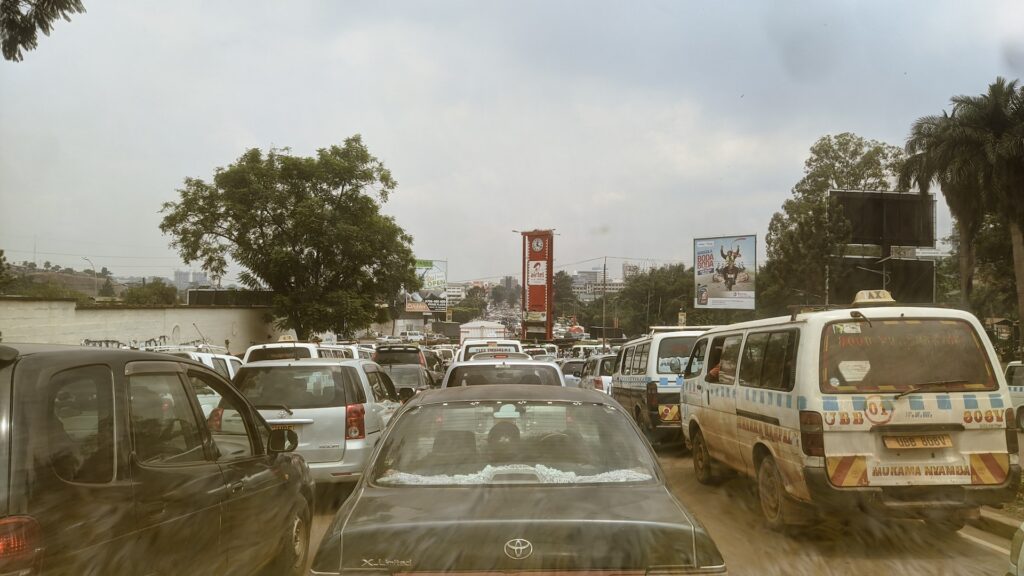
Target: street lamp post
{"x":95,"y":281}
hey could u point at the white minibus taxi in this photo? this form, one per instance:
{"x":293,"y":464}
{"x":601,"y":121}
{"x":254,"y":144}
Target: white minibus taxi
{"x":648,"y":377}
{"x":900,"y":411}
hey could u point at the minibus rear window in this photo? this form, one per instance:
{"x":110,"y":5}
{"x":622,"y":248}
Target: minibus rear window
{"x":896,"y":355}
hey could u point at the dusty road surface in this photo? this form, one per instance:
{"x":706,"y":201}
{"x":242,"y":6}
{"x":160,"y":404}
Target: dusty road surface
{"x":730,"y":513}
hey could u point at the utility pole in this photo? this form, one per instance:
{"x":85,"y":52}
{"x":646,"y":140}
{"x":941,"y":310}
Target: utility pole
{"x":604,"y":303}
{"x":95,"y":281}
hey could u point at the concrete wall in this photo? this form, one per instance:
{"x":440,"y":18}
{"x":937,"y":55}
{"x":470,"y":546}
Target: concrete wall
{"x":62,"y":322}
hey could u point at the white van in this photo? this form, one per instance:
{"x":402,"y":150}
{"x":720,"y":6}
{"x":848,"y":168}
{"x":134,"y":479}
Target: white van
{"x":473,"y":346}
{"x":299,"y":350}
{"x":648,"y":377}
{"x":895,"y":410}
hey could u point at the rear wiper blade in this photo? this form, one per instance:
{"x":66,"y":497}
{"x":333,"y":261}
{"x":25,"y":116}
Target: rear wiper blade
{"x":272,"y":406}
{"x":926,"y":385}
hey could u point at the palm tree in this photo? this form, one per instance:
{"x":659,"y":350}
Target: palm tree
{"x":938,"y":154}
{"x":994,"y":122}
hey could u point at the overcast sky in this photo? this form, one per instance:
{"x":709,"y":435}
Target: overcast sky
{"x":630,"y":127}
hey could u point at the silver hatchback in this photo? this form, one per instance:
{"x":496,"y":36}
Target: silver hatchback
{"x":338,"y":408}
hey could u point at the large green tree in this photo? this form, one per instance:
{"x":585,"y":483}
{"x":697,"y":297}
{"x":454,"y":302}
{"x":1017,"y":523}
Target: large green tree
{"x":21,"y":21}
{"x":308,"y":228}
{"x":564,"y":303}
{"x":807,"y":235}
{"x":154,"y":293}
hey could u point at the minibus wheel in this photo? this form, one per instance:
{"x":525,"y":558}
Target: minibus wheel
{"x":703,"y":464}
{"x":771,"y":493}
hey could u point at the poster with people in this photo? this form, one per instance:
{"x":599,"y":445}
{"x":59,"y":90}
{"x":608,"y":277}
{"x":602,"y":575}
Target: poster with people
{"x":724,"y":270}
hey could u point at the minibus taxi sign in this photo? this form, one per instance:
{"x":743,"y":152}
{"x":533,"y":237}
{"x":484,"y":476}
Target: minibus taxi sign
{"x":869,"y":297}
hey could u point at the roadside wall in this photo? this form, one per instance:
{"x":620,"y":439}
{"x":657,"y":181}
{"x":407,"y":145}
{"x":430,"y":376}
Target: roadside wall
{"x":62,"y":322}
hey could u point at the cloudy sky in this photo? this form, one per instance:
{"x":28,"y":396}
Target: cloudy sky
{"x":630,"y":127}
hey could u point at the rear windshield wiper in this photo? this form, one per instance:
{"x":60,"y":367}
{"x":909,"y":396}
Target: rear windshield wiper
{"x":926,"y":385}
{"x":273,"y":406}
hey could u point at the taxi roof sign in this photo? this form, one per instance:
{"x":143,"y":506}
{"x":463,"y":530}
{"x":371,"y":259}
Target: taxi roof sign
{"x":872,"y":298}
{"x":286,"y":338}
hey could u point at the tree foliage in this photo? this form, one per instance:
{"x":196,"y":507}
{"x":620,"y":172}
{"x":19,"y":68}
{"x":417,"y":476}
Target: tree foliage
{"x":309,"y":228}
{"x":21,"y":21}
{"x":155,"y":293}
{"x":565,"y":303}
{"x":6,"y":278}
{"x":805,"y":237}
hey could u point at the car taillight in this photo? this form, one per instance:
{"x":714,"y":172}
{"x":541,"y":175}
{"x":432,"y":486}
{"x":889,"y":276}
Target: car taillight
{"x":215,"y":419}
{"x":19,"y":541}
{"x":423,"y":360}
{"x":355,"y":423}
{"x":374,"y":357}
{"x":652,"y":395}
{"x":599,"y":384}
{"x":1011,"y":431}
{"x":812,"y":436}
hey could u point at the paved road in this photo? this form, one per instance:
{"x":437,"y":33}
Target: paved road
{"x":730,"y":513}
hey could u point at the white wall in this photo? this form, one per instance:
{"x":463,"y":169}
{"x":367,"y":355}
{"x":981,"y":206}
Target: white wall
{"x":61,"y":322}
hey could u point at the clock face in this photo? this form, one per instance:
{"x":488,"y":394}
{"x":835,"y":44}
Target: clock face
{"x":538,"y":244}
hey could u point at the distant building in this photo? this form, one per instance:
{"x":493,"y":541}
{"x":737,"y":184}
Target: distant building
{"x":509,"y":282}
{"x":629,"y":270}
{"x":182,"y":278}
{"x":456,"y":293}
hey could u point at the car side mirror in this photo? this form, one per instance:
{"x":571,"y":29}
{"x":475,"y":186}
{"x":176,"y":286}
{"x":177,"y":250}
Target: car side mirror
{"x":282,"y":440}
{"x":405,"y":394}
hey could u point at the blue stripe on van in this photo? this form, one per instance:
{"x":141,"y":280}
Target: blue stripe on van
{"x":829,"y":403}
{"x":944,"y":403}
{"x":970,"y":401}
{"x":916,"y":403}
{"x":996,"y":400}
{"x":778,"y":400}
{"x":801,"y":403}
{"x":789,"y":400}
{"x":859,"y":403}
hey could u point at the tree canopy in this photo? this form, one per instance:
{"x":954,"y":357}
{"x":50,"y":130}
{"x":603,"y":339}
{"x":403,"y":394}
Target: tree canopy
{"x":155,"y":293}
{"x":308,"y":228}
{"x":804,"y":238}
{"x":21,"y":21}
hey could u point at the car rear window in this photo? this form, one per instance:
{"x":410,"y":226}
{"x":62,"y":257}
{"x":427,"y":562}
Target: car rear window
{"x":279,"y":353}
{"x":525,"y":442}
{"x":398,"y":357}
{"x":895,"y":355}
{"x":471,"y":350}
{"x":607,"y":366}
{"x":675,"y":349}
{"x":80,"y":410}
{"x":570,"y":367}
{"x":1015,"y":375}
{"x":504,"y":374}
{"x":404,"y":375}
{"x":295,"y":386}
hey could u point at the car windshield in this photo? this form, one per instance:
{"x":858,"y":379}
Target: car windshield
{"x":294,"y":387}
{"x":504,"y":374}
{"x":278,"y":353}
{"x":521,"y":442}
{"x":897,"y":355}
{"x":404,"y":375}
{"x":673,"y":353}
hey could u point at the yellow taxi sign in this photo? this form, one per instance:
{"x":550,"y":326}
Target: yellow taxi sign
{"x":873,"y":297}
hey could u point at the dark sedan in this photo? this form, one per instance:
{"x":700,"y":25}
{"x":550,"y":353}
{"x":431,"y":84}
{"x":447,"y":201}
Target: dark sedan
{"x":515,"y":479}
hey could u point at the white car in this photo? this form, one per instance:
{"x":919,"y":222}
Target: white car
{"x":482,"y":372}
{"x":338,"y":408}
{"x":572,"y":370}
{"x":597,"y":373}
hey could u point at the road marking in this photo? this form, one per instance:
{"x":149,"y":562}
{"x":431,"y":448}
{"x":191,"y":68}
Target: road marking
{"x":989,"y":545}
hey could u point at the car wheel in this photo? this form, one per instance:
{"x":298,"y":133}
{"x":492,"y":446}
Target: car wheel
{"x":771,"y":493}
{"x":291,"y":560}
{"x":703,"y":464}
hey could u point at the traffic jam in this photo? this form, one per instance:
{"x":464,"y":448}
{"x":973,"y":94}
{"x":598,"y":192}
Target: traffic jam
{"x":535,"y":457}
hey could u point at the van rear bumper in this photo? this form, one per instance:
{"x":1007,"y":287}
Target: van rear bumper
{"x":909,"y":501}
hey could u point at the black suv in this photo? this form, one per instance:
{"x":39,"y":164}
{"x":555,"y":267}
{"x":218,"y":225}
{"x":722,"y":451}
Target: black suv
{"x":109,"y":464}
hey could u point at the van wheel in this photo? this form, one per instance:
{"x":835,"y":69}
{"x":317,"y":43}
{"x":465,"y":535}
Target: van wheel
{"x":644,"y":425}
{"x":771,"y":493}
{"x":291,"y":560}
{"x":703,"y":464}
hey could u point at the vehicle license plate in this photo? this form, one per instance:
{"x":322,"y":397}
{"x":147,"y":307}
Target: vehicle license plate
{"x":909,"y":442}
{"x":282,"y":427}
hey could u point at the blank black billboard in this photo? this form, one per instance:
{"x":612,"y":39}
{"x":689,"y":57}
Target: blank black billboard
{"x":909,"y":281}
{"x":888,"y":218}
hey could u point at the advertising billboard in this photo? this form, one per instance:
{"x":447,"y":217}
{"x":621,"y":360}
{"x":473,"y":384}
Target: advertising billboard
{"x":433,"y":296}
{"x":538,"y":260}
{"x":723,"y":270}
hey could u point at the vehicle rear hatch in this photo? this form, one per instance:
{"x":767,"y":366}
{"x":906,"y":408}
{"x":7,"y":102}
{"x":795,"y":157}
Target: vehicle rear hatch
{"x":912,"y":402}
{"x":307,"y":398}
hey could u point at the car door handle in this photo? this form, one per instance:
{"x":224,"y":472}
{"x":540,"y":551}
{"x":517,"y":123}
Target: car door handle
{"x":237,"y":487}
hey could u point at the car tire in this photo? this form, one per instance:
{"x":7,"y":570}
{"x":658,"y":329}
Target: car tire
{"x":703,"y":463}
{"x":772,"y":494}
{"x":291,"y":560}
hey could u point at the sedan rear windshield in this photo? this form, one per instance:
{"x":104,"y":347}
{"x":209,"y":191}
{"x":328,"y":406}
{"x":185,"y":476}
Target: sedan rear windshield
{"x":278,"y":353}
{"x":504,"y":374}
{"x":521,"y":442}
{"x":899,"y":355}
{"x":405,"y":375}
{"x":295,"y":386}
